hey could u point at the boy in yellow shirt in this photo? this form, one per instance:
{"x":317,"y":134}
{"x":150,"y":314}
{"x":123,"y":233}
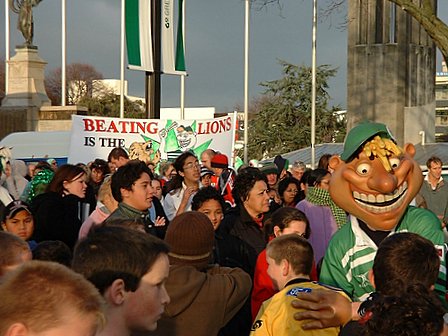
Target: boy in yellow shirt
{"x":290,"y":258}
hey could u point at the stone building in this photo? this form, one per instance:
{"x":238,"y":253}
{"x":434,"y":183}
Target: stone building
{"x":391,"y":68}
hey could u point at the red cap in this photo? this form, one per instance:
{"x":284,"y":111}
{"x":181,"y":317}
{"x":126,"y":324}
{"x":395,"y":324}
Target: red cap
{"x":220,"y":161}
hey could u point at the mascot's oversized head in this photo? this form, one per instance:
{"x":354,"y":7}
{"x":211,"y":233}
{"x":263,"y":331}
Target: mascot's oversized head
{"x":374,"y":179}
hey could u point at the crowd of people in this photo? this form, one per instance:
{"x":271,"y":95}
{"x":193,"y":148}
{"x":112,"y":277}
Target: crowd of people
{"x":113,"y":247}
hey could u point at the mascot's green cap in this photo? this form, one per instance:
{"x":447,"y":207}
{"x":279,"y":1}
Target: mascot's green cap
{"x":359,"y":134}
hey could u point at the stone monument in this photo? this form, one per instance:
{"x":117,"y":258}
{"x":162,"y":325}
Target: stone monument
{"x":26,"y":106}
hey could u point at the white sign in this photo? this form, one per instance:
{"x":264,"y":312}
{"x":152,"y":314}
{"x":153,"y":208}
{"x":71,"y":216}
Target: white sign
{"x":149,"y":139}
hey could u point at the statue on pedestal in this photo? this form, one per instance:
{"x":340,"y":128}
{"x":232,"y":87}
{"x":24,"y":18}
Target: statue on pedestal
{"x":25,"y":21}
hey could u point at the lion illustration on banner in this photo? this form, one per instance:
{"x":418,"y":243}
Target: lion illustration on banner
{"x":144,"y":151}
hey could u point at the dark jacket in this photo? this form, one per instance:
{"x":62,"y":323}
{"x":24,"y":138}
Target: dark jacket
{"x":231,"y":251}
{"x":238,"y":222}
{"x":202,"y":302}
{"x":57,"y":217}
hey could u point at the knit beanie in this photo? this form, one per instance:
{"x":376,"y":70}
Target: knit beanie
{"x":220,"y":161}
{"x":205,"y":171}
{"x":191,"y":238}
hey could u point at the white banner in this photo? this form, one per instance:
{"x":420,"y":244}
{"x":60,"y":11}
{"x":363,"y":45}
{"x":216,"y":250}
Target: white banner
{"x":149,"y":139}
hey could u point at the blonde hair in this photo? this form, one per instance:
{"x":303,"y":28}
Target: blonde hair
{"x":39,"y":294}
{"x":105,"y":189}
{"x":382,"y":148}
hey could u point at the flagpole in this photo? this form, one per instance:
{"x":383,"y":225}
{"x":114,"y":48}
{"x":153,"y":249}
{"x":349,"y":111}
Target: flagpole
{"x":6,"y":47}
{"x":246,"y":79}
{"x":64,"y":54}
{"x":122,"y":59}
{"x":182,"y":77}
{"x":313,"y":86}
{"x":153,"y":79}
{"x":182,"y":97}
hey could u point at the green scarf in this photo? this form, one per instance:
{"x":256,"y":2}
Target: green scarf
{"x":39,"y":183}
{"x":322,"y":197}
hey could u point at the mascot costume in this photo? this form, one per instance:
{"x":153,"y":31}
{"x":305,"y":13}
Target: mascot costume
{"x":374,"y":180}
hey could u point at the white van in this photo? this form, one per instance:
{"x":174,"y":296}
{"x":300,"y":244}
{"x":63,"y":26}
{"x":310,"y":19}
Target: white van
{"x":38,"y":146}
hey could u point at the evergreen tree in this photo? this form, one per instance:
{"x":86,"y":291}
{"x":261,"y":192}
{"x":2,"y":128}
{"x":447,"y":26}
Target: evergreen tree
{"x":108,"y":105}
{"x":283,"y":122}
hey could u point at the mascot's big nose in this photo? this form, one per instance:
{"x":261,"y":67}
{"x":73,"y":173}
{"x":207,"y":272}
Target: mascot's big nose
{"x":383,"y":182}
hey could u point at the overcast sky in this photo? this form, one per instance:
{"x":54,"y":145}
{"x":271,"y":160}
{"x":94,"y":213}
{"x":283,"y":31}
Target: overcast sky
{"x":214,"y":46}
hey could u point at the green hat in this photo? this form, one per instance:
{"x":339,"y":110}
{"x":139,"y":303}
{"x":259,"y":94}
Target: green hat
{"x":361,"y":133}
{"x":269,"y":168}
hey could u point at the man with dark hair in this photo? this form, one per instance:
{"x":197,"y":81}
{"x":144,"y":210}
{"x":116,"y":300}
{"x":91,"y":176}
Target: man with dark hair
{"x":433,"y":194}
{"x":53,"y":250}
{"x":118,"y":157}
{"x":131,"y":188}
{"x":402,"y":260}
{"x":405,"y":262}
{"x":129,"y":269}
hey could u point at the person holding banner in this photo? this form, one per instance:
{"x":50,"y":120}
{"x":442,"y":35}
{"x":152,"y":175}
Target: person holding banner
{"x":226,"y":177}
{"x":182,"y":186}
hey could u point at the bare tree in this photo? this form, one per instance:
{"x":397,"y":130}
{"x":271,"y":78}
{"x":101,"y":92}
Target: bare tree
{"x":80,"y":83}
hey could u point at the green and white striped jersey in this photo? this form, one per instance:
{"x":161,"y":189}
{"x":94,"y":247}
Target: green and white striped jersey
{"x":351,"y":252}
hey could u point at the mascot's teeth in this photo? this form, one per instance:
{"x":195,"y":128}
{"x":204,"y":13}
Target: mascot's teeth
{"x":380,"y":198}
{"x":375,"y":204}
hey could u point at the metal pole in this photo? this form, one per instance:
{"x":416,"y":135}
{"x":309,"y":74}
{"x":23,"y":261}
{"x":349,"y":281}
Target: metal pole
{"x":6,"y":46}
{"x":153,"y":79}
{"x":182,"y":97}
{"x":246,"y":80}
{"x":64,"y":55}
{"x":182,"y":77}
{"x":313,"y":86}
{"x":122,"y":59}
